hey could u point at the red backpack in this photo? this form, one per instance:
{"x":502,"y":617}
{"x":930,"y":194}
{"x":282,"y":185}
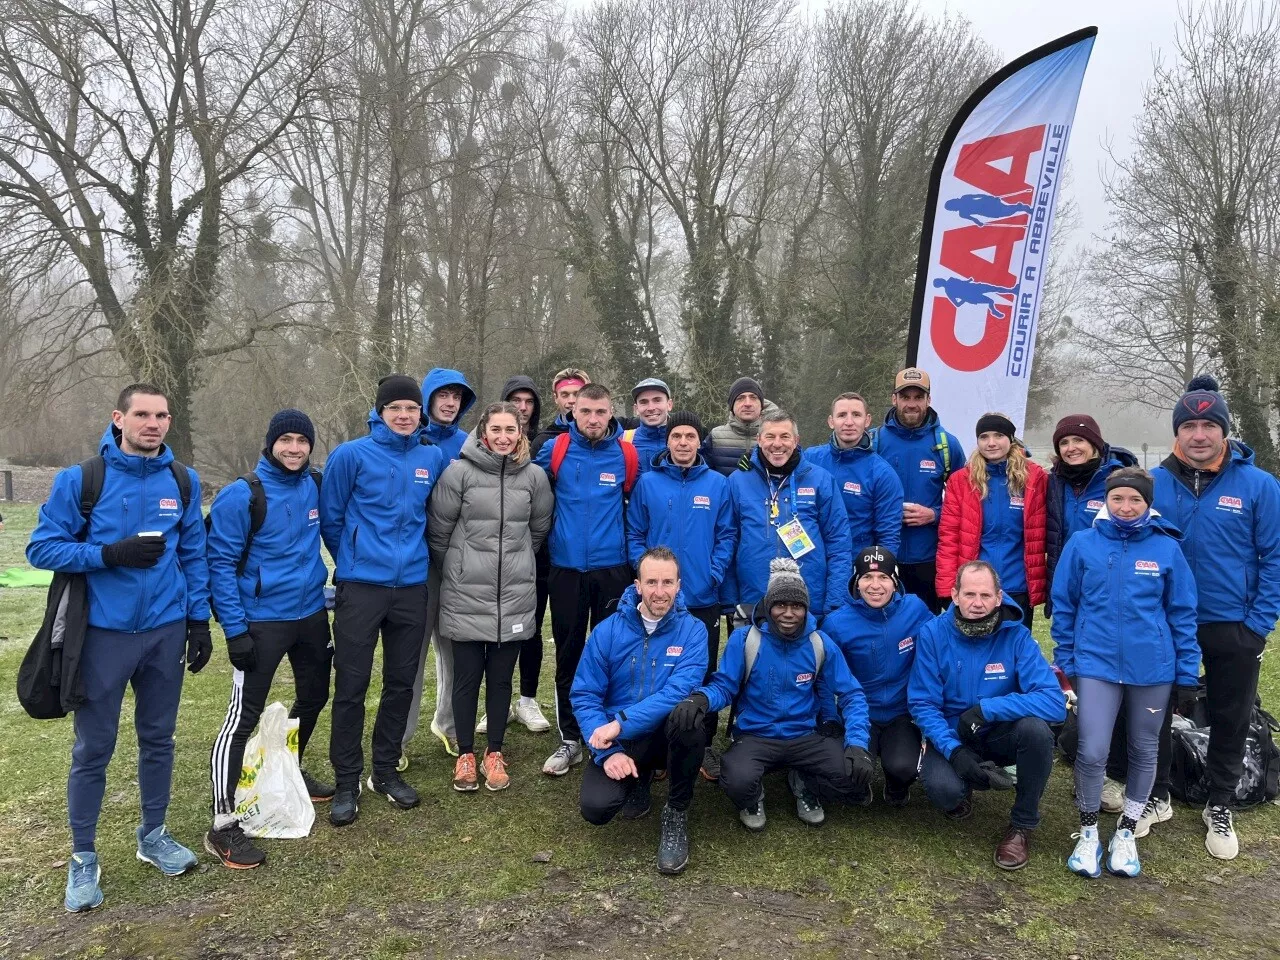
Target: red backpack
{"x":631,"y":459}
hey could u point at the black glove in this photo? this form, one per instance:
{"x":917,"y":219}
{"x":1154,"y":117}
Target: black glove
{"x":971,"y":721}
{"x":1184,"y":699}
{"x":242,"y":651}
{"x":968,"y":766}
{"x":688,"y":713}
{"x":859,"y":767}
{"x":831,"y":728}
{"x":137,"y":551}
{"x":199,"y":645}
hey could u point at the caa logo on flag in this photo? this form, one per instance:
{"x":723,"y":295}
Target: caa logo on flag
{"x":1146,"y":566}
{"x":608,"y":478}
{"x":906,"y":644}
{"x":674,"y":651}
{"x":806,"y":492}
{"x":1230,"y":503}
{"x":313,"y":514}
{"x":1094,"y":505}
{"x":422,"y":473}
{"x":803,"y":678}
{"x":854,"y":488}
{"x":996,"y":667}
{"x":167,"y":504}
{"x":928,"y":465}
{"x":704,"y":502}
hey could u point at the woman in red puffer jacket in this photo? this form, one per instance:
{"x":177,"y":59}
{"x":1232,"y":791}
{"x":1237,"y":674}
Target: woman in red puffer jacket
{"x":994,"y":510}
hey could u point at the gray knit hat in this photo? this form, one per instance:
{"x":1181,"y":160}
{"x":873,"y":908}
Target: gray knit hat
{"x":786,"y":585}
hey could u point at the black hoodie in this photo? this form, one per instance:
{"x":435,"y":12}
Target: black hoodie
{"x":521,"y":382}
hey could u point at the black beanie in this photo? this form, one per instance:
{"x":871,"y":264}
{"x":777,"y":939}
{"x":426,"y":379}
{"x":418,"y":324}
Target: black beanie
{"x":1135,"y":478}
{"x":289,"y":420}
{"x":995,"y":423}
{"x":685,"y":418}
{"x":744,"y":385}
{"x":1202,"y":401}
{"x":875,"y":558}
{"x":786,"y":584}
{"x":395,"y":387}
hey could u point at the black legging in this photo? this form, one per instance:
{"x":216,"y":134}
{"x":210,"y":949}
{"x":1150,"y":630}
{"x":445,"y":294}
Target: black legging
{"x":495,"y":663}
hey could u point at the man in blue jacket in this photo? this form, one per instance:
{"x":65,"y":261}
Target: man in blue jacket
{"x":627,"y":709}
{"x":923,"y":455}
{"x":872,"y":491}
{"x":268,"y":591}
{"x":564,"y":393}
{"x":982,"y":693}
{"x":876,"y":631}
{"x":1229,"y":513}
{"x":651,"y":403}
{"x":373,"y":519}
{"x":141,"y":549}
{"x":684,"y":504}
{"x":779,"y":673}
{"x":785,"y":506}
{"x":447,"y":397}
{"x":589,"y":564}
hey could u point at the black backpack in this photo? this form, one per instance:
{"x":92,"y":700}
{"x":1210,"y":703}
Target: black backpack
{"x":257,"y":511}
{"x":49,"y":685}
{"x":1260,"y":782}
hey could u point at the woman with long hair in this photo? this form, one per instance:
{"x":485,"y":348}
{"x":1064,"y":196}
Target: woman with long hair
{"x":994,"y":510}
{"x":489,"y":513}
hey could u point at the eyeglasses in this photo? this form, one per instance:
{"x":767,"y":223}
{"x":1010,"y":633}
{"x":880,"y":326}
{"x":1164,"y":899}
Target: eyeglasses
{"x":395,"y":409}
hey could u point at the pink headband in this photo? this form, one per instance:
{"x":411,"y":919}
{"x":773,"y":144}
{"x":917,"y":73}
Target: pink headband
{"x":568,"y":381}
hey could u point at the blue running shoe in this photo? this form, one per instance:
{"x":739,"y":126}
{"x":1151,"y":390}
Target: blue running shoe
{"x":160,"y":850}
{"x":1122,"y":855}
{"x":83,"y":874}
{"x":1086,"y":859}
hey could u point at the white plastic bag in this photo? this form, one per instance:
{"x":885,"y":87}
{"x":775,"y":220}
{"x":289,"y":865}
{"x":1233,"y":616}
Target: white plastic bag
{"x":271,"y":798}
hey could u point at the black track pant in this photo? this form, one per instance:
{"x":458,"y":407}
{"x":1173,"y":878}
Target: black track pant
{"x":494,"y":663}
{"x":531,"y":647}
{"x":897,"y":744}
{"x":819,"y":760}
{"x":579,"y":601}
{"x":917,"y":578}
{"x":710,"y":617}
{"x":306,"y":643}
{"x":681,"y":754}
{"x":362,"y":612}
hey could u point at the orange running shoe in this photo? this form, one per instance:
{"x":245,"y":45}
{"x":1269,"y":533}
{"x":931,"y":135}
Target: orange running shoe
{"x":464,"y":773}
{"x":495,"y":771}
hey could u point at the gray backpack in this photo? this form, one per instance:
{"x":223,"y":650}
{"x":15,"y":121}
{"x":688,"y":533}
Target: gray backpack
{"x":751,"y":650}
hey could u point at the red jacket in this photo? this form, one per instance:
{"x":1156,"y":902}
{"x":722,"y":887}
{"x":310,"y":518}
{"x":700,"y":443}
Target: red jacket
{"x":960,"y":531}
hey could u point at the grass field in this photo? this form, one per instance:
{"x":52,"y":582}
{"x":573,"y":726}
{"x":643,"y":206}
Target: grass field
{"x":463,"y":875}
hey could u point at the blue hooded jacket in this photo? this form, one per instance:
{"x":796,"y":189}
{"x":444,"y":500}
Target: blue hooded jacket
{"x":1067,"y":513}
{"x":1002,"y":542}
{"x":1124,"y":607}
{"x":809,"y":495}
{"x":649,"y":442}
{"x":373,"y":505}
{"x":688,"y":510}
{"x":139,"y":494}
{"x":589,"y":531}
{"x":284,"y":574}
{"x":637,"y":678}
{"x":872,"y":492}
{"x":448,"y":437}
{"x":783,"y":698}
{"x":879,"y":646}
{"x":1230,"y":537}
{"x":1004,"y":673}
{"x":916,"y":456}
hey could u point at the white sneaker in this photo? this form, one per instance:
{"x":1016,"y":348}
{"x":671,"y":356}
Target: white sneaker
{"x":1156,"y":811}
{"x":1086,"y":858}
{"x":450,"y":742}
{"x":567,"y":755}
{"x":1220,"y":840}
{"x":1122,"y":855}
{"x":483,"y":725}
{"x":530,"y":714}
{"x":808,"y":809}
{"x":1112,"y":796}
{"x":754,"y":819}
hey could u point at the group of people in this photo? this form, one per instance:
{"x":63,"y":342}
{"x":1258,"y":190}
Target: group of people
{"x":876,"y":589}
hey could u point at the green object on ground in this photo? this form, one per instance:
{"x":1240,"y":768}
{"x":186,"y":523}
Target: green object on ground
{"x":15,"y":577}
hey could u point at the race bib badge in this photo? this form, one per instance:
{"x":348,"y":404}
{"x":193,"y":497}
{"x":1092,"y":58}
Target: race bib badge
{"x":796,"y":539}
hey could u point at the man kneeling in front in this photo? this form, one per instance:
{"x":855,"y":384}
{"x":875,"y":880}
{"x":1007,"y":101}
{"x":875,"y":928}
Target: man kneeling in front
{"x":983,"y":696}
{"x":637,"y":665}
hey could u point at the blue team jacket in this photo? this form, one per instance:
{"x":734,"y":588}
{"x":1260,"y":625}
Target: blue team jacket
{"x":1231,"y":539}
{"x":138,"y":495}
{"x":1002,"y":544}
{"x":1004,"y":673}
{"x":636,"y":678}
{"x":448,"y":437}
{"x":872,"y":492}
{"x":687,"y":510}
{"x":809,"y":494}
{"x":283,"y":575}
{"x":783,"y":698}
{"x":1067,"y":513}
{"x":649,"y":442}
{"x":915,"y":454}
{"x":1124,"y":607}
{"x":879,"y":646}
{"x":588,"y":533}
{"x":373,"y":506}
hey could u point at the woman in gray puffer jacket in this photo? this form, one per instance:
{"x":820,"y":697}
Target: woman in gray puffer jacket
{"x":488,"y":514}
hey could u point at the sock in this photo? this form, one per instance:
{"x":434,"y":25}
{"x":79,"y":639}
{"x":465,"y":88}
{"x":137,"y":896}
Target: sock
{"x":1126,"y":823}
{"x":89,"y":847}
{"x":528,"y":702}
{"x":1088,"y":818}
{"x":222,"y":821}
{"x":1132,"y":812}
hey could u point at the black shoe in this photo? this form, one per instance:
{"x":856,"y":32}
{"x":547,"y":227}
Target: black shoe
{"x":897,"y":798}
{"x":639,"y":799}
{"x":394,"y":789}
{"x":673,"y":848}
{"x":962,"y":811}
{"x":319,"y":791}
{"x":233,"y":847}
{"x":345,"y":806}
{"x":710,"y":764}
